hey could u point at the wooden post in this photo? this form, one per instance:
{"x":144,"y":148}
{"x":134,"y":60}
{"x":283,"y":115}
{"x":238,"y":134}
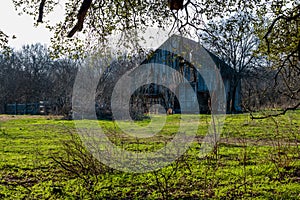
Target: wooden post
{"x":16,"y":108}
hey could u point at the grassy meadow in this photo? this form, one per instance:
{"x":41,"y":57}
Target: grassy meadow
{"x":41,"y":157}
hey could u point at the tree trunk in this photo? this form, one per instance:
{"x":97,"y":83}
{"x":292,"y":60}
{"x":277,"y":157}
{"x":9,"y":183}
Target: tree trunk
{"x":233,"y":94}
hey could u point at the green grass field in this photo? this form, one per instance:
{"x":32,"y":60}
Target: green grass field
{"x":42,"y":158}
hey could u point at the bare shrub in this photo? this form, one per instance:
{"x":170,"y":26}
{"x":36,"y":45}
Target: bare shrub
{"x":78,"y":161}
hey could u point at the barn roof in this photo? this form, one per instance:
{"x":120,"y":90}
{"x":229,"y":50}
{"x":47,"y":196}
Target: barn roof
{"x":192,"y":51}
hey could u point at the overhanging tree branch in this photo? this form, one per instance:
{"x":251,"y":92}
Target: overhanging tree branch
{"x":86,"y":4}
{"x":41,"y":11}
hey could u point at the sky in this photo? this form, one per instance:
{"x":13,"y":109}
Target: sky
{"x":26,"y":33}
{"x":23,"y":26}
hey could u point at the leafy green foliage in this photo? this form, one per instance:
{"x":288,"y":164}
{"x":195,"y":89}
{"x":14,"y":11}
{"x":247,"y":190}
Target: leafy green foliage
{"x":106,"y":17}
{"x":130,"y":17}
{"x":279,"y":29}
{"x":279,"y":32}
{"x":4,"y":43}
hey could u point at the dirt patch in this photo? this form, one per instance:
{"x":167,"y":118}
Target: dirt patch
{"x":13,"y":180}
{"x":251,"y":142}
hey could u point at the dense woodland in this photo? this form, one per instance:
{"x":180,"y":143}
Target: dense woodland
{"x":29,"y":75}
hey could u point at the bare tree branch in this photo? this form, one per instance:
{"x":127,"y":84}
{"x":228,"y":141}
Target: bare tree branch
{"x":277,"y":114}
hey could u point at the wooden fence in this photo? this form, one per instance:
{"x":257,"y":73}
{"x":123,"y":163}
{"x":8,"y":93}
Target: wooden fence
{"x":27,"y":108}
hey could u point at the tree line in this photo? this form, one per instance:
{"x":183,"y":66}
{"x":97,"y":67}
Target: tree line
{"x":30,"y":75}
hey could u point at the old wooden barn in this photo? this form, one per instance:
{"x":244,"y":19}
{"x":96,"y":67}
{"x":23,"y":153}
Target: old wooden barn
{"x":178,"y":54}
{"x":152,"y":94}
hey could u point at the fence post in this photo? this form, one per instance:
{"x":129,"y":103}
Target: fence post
{"x":16,"y":108}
